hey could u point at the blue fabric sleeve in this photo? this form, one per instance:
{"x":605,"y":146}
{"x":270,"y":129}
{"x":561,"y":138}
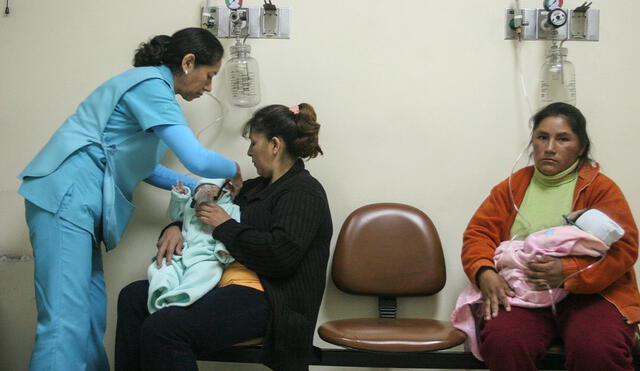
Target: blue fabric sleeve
{"x":196,"y":158}
{"x":165,"y":178}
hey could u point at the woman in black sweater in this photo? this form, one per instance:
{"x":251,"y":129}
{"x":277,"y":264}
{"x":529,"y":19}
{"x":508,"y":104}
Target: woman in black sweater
{"x":281,"y":247}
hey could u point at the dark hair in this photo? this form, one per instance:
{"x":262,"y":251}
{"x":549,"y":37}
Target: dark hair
{"x":169,"y":50}
{"x":298,"y":130}
{"x":573,"y":117}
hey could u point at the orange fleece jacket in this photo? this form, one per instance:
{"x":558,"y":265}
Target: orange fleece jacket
{"x":613,"y":278}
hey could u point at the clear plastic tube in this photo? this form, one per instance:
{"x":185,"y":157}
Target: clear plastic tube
{"x":550,"y":289}
{"x":523,"y":85}
{"x":218,"y":119}
{"x":511,"y":195}
{"x":210,"y":125}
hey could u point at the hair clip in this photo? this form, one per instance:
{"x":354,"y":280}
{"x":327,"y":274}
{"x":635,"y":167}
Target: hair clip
{"x":295,"y":109}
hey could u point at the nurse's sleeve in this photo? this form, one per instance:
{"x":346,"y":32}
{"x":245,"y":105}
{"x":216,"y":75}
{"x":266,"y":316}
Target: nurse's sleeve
{"x":165,"y":178}
{"x":155,"y":108}
{"x":193,"y":155}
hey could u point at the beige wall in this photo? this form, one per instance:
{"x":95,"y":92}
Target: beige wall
{"x":419,"y":104}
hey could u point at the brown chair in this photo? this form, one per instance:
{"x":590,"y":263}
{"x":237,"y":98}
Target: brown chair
{"x":389,"y":250}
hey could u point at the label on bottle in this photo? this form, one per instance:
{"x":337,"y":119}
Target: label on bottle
{"x":554,"y":89}
{"x":243,"y":83}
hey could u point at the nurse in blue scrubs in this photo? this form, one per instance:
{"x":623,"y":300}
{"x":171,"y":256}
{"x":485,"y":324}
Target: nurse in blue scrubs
{"x":78,"y":189}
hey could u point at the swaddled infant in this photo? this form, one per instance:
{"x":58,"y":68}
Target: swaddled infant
{"x":203,"y":259}
{"x":588,"y":233}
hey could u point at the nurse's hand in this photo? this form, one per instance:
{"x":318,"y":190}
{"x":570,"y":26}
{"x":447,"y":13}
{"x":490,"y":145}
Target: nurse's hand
{"x":170,"y":243}
{"x":211,"y":214}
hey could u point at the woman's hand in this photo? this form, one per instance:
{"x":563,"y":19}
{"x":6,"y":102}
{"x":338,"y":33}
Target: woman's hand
{"x":545,"y":270}
{"x":494,"y":292}
{"x":235,"y":184}
{"x":170,"y":243}
{"x":211,"y":214}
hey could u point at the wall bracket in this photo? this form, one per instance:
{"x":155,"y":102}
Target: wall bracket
{"x":254,"y":23}
{"x":534,"y":25}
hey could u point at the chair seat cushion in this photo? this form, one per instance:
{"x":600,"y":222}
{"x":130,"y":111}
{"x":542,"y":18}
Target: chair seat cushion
{"x":391,"y":334}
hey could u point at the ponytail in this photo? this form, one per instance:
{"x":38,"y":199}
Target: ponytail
{"x":170,"y":50}
{"x":152,"y":52}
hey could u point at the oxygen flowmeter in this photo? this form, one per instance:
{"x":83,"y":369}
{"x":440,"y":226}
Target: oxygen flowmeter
{"x":556,"y":16}
{"x":558,"y":25}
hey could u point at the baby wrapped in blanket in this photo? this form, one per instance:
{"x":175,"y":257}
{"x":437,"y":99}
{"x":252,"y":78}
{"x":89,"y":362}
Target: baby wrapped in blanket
{"x":203,"y":259}
{"x":590,"y":235}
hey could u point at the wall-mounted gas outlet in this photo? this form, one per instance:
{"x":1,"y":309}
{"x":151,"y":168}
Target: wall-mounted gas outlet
{"x":249,"y":22}
{"x":537,"y":24}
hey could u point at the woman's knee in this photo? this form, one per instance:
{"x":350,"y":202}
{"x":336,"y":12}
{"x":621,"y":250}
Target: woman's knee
{"x":510,"y":342}
{"x":133,"y":297}
{"x":510,"y":353}
{"x":163,"y":327}
{"x":505,"y":348}
{"x":599,"y":352}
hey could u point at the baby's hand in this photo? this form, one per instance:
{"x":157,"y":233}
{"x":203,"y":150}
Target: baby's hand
{"x":180,"y":188}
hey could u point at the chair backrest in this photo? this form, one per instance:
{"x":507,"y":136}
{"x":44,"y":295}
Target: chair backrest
{"x":388,"y":249}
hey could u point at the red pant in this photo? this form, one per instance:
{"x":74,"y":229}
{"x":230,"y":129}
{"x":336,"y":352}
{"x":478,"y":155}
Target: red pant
{"x":594,"y":334}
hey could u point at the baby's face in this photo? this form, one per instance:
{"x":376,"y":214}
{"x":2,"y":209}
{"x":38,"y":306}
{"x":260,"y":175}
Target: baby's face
{"x":574,"y":215}
{"x":209,"y":188}
{"x":206,"y":193}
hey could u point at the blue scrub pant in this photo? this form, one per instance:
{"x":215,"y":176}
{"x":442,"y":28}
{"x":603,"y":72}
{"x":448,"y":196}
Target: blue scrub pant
{"x":70,"y":294}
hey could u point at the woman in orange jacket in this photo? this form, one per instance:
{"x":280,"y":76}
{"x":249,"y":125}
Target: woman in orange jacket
{"x":596,"y":321}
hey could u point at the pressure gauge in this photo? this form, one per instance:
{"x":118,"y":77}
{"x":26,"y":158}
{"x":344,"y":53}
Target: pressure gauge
{"x":557,"y":17}
{"x":552,"y":4}
{"x":233,"y":4}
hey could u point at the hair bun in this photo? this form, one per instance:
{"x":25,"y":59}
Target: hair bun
{"x":151,"y":53}
{"x":307,"y":110}
{"x":306,"y":144}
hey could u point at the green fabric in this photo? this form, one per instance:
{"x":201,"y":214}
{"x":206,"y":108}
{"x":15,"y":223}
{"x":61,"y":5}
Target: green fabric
{"x":546,"y":200}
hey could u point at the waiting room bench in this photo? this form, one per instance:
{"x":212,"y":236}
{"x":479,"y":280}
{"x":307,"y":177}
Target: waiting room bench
{"x":445,"y":359}
{"x":389,"y":250}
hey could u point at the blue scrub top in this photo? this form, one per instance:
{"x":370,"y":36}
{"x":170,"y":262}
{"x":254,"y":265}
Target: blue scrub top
{"x":109,"y":133}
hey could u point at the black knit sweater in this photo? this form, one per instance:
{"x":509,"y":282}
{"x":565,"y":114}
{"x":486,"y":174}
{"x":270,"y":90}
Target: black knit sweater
{"x":284,"y":236}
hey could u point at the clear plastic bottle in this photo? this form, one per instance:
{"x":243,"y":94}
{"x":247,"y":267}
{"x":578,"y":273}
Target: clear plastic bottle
{"x":243,"y":75}
{"x":557,"y":78}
